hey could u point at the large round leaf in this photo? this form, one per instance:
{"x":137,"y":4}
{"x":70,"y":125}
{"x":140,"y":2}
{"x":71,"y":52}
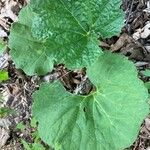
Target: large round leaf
{"x":65,"y":31}
{"x":107,"y":119}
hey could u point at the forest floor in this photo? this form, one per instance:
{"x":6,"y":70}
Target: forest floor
{"x":16,"y":93}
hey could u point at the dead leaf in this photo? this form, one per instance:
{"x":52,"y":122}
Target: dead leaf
{"x":4,"y":136}
{"x":123,"y":39}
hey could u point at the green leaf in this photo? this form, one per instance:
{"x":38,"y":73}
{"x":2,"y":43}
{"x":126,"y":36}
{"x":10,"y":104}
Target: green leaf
{"x":146,"y":72}
{"x":33,"y":123}
{"x":26,"y":145}
{"x":107,"y":119}
{"x":2,"y":46}
{"x":20,"y":126}
{"x":36,"y":137}
{"x":62,"y":31}
{"x":33,"y":146}
{"x":147,"y":85}
{"x":37,"y":146}
{"x":3,"y":75}
{"x":4,"y":111}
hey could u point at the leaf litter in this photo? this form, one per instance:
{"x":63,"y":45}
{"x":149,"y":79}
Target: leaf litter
{"x":16,"y":92}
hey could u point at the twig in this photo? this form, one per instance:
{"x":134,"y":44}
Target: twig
{"x":130,"y":11}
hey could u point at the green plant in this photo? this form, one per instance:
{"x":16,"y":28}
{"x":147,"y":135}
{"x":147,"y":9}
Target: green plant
{"x":67,"y":31}
{"x":115,"y":110}
{"x":147,"y":85}
{"x":2,"y":46}
{"x":4,"y":111}
{"x":146,"y":72}
{"x":36,"y":145}
{"x":20,"y":126}
{"x":3,"y":75}
{"x":62,"y":31}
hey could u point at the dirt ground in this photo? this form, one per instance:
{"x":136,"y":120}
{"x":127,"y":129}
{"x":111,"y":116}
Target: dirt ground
{"x":133,"y":42}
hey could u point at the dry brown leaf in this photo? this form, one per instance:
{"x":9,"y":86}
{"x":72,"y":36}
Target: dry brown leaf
{"x":123,"y":39}
{"x":4,"y":136}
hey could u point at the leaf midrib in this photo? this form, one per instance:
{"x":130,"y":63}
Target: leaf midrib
{"x":73,"y":16}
